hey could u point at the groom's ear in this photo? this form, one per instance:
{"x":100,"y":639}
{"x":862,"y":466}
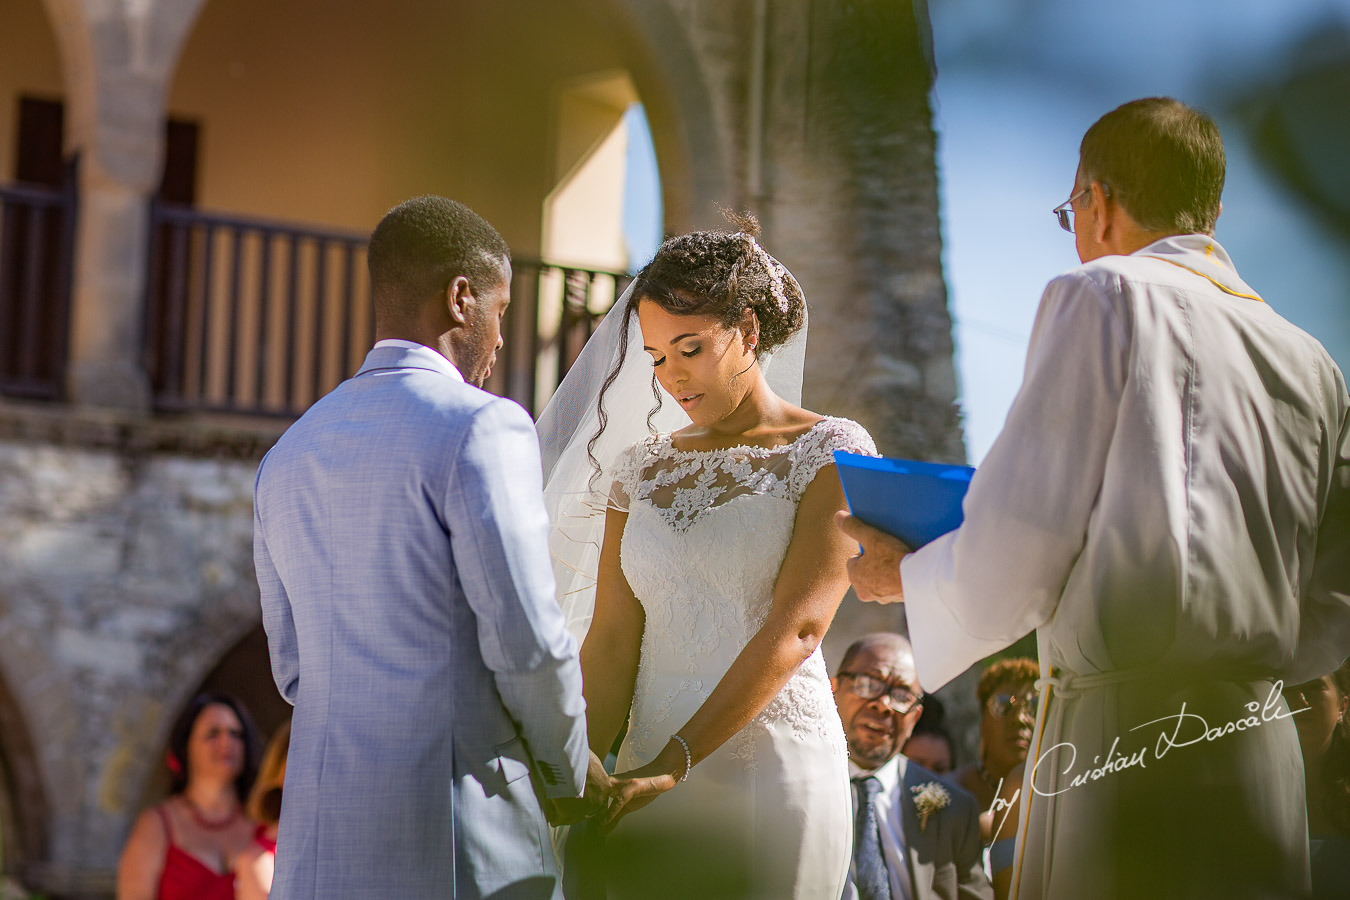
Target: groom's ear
{"x":459,"y":301}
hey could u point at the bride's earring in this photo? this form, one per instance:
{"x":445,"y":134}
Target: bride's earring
{"x":751,"y":342}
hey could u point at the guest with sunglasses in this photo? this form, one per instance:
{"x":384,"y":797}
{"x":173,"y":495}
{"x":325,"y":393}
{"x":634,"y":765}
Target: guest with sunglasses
{"x":1007,"y":717}
{"x":915,"y":837}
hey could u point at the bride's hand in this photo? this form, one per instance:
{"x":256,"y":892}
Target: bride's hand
{"x":633,"y":790}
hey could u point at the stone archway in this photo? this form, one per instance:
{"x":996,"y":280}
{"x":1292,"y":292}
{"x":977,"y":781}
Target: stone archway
{"x":695,"y":158}
{"x":296,"y":133}
{"x":116,"y":59}
{"x":24,"y":802}
{"x":125,"y":66}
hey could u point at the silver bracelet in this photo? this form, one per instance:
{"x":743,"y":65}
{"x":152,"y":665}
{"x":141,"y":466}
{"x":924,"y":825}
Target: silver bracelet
{"x":688,"y":757}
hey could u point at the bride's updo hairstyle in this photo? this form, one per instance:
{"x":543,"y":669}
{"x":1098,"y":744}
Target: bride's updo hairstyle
{"x":713,"y":273}
{"x":721,"y":274}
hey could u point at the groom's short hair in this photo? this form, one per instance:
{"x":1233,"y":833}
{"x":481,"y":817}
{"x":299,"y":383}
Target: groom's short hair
{"x":423,"y":244}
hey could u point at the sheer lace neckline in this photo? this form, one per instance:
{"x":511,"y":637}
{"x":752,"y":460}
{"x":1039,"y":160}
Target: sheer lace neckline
{"x":757,"y":449}
{"x":684,"y":485}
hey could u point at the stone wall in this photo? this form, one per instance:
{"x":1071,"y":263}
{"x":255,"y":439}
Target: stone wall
{"x":126,"y":572}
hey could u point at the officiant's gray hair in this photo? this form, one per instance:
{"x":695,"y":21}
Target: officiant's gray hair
{"x":1164,"y":161}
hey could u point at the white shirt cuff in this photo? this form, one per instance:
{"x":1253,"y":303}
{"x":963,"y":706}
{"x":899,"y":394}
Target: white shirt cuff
{"x":943,"y":648}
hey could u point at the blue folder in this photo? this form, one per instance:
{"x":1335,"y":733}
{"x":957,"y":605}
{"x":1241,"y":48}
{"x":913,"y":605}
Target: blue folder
{"x":915,"y":501}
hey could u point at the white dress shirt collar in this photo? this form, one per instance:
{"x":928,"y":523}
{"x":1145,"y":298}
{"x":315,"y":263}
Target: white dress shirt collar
{"x":400,"y":344}
{"x":890,"y":774}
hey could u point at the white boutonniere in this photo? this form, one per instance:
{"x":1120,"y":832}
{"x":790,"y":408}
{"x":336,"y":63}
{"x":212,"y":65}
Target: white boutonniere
{"x":928,"y":799}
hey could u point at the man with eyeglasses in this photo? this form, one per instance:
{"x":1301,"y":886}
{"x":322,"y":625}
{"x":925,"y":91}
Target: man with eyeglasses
{"x":1168,"y":507}
{"x":915,"y":836}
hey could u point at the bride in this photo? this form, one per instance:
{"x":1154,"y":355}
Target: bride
{"x":715,"y":577}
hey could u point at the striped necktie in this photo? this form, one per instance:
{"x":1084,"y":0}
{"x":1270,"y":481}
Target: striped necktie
{"x":872,"y":881}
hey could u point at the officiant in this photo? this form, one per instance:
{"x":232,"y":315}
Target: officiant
{"x":1168,"y":507}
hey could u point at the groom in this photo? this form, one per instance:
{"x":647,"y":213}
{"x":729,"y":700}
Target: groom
{"x":400,"y":543}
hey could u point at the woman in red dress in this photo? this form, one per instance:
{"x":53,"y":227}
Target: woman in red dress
{"x":181,"y":849}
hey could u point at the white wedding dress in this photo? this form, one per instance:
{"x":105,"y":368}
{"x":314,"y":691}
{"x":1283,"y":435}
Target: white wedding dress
{"x":768,"y":814}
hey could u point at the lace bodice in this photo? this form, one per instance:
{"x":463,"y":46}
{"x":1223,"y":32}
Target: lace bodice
{"x":707,"y":532}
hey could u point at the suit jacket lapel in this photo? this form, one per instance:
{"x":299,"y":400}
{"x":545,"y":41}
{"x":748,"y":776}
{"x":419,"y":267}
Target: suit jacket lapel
{"x":918,"y":842}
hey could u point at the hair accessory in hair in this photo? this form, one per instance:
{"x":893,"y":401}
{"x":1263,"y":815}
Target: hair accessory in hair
{"x":774,"y":268}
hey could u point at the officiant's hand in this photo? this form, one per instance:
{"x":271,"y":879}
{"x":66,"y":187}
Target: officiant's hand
{"x":636,"y":788}
{"x":875,"y":572}
{"x":571,"y":810}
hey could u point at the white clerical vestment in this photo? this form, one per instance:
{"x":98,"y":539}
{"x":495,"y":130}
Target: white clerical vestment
{"x":1168,"y":505}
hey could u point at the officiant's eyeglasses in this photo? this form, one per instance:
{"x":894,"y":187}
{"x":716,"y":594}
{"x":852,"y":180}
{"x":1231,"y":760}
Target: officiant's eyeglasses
{"x":870,"y":687}
{"x":1006,"y":706}
{"x":1064,"y":212}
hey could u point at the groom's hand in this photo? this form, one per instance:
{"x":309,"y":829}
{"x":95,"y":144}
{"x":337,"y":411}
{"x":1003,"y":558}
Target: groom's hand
{"x":635,"y":789}
{"x":599,"y":785}
{"x":569,"y":811}
{"x":875,"y":572}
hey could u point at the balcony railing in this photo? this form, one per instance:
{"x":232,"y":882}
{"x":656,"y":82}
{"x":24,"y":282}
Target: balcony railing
{"x":258,"y":317}
{"x":37,"y":231}
{"x":554,"y":310}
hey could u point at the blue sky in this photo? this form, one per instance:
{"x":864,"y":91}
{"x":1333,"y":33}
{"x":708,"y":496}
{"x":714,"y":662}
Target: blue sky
{"x":642,"y":214}
{"x":1027,"y":77}
{"x":1019,"y":81}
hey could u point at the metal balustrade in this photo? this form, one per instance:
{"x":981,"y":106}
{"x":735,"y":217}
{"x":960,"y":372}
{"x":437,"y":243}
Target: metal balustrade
{"x":37,"y":229}
{"x":251,"y":316}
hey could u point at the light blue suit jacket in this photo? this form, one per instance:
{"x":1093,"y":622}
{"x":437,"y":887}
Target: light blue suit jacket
{"x":400,"y":540}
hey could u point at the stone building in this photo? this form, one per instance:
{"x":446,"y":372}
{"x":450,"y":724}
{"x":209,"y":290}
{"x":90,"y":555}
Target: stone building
{"x":186,"y":186}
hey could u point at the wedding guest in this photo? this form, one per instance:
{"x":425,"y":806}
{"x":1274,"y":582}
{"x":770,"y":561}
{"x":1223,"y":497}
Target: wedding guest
{"x":914,"y":836}
{"x":932,"y":750}
{"x":930,"y":744}
{"x":253,"y":868}
{"x":1005,"y":812}
{"x":181,"y":849}
{"x":1324,"y":736}
{"x":1168,"y":507}
{"x":1007,"y":717}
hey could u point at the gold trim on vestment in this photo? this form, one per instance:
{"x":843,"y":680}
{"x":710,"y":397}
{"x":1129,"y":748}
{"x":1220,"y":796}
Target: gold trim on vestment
{"x":1217,"y":284}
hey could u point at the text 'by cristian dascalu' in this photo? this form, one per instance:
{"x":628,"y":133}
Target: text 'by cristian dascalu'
{"x":1188,"y":729}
